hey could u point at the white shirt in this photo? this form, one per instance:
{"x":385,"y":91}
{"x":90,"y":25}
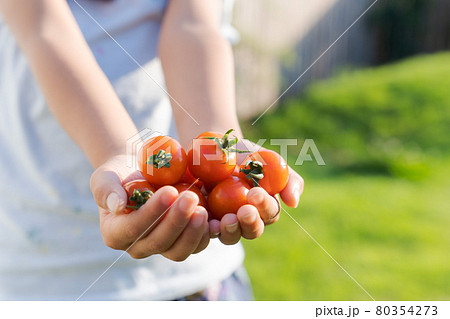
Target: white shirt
{"x":49,"y":227}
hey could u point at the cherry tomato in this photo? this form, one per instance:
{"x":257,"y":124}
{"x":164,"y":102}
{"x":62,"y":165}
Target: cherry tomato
{"x":211,"y":157}
{"x":162,"y":160}
{"x":181,"y":187}
{"x":228,"y":196}
{"x":267,"y":169}
{"x":191,"y":180}
{"x":236,"y":171}
{"x":208,"y":187}
{"x":138,"y":192}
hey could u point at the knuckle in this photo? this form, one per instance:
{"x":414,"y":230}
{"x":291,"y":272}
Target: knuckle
{"x":202,"y":246}
{"x":157,"y":247}
{"x":179,"y":219}
{"x":112,"y":243}
{"x":131,"y":231}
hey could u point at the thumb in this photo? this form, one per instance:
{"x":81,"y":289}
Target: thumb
{"x":107,"y":189}
{"x":293,"y":190}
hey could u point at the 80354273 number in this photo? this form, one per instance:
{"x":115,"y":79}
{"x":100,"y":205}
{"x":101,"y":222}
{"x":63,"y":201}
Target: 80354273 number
{"x":405,"y":310}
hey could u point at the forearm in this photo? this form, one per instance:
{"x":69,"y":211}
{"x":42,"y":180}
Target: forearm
{"x":199,"y":72}
{"x":76,"y":90}
{"x":82,"y":99}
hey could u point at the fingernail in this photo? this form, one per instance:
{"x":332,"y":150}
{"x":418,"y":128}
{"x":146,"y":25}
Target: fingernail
{"x":186,"y":203}
{"x":258,"y":198}
{"x":112,"y":202}
{"x":249,"y":218}
{"x":198,"y":218}
{"x":215,"y":234}
{"x":232,"y":228}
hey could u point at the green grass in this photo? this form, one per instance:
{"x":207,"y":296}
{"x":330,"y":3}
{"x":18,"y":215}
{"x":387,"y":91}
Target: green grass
{"x":390,"y":234}
{"x":381,"y":205}
{"x":387,"y":119}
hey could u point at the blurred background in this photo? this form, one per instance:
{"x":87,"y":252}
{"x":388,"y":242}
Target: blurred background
{"x":377,"y":106}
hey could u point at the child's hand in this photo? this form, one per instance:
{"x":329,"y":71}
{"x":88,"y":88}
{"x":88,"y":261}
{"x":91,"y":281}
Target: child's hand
{"x":263,"y":209}
{"x":183,"y":230}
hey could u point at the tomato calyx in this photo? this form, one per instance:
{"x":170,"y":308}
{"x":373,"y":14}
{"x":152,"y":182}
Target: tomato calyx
{"x":226,"y":144}
{"x":140,"y":198}
{"x":254,"y":171}
{"x":160,"y":160}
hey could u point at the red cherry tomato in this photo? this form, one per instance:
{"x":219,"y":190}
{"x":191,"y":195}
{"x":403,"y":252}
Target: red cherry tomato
{"x":267,"y":169}
{"x":228,"y":196}
{"x":162,"y":160}
{"x":208,"y":187}
{"x":236,"y":171}
{"x":138,"y":192}
{"x":191,"y":180}
{"x":181,"y":187}
{"x":210,"y":158}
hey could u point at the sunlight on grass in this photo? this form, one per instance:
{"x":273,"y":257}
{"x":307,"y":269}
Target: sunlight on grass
{"x":390,"y":234}
{"x":381,"y":205}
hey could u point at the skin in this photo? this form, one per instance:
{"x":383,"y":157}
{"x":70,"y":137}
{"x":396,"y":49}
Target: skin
{"x":83,"y":101}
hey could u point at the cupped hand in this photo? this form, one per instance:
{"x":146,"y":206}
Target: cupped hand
{"x":169,"y":223}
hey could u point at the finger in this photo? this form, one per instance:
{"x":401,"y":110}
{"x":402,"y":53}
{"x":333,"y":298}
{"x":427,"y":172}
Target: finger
{"x":267,"y":206}
{"x":293,"y":190}
{"x":230,"y":231}
{"x":107,"y":189}
{"x":204,"y":242}
{"x":163,"y":235}
{"x":214,"y":228}
{"x":190,"y":239}
{"x":251,"y":224}
{"x":120,"y":231}
{"x":136,"y":175}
